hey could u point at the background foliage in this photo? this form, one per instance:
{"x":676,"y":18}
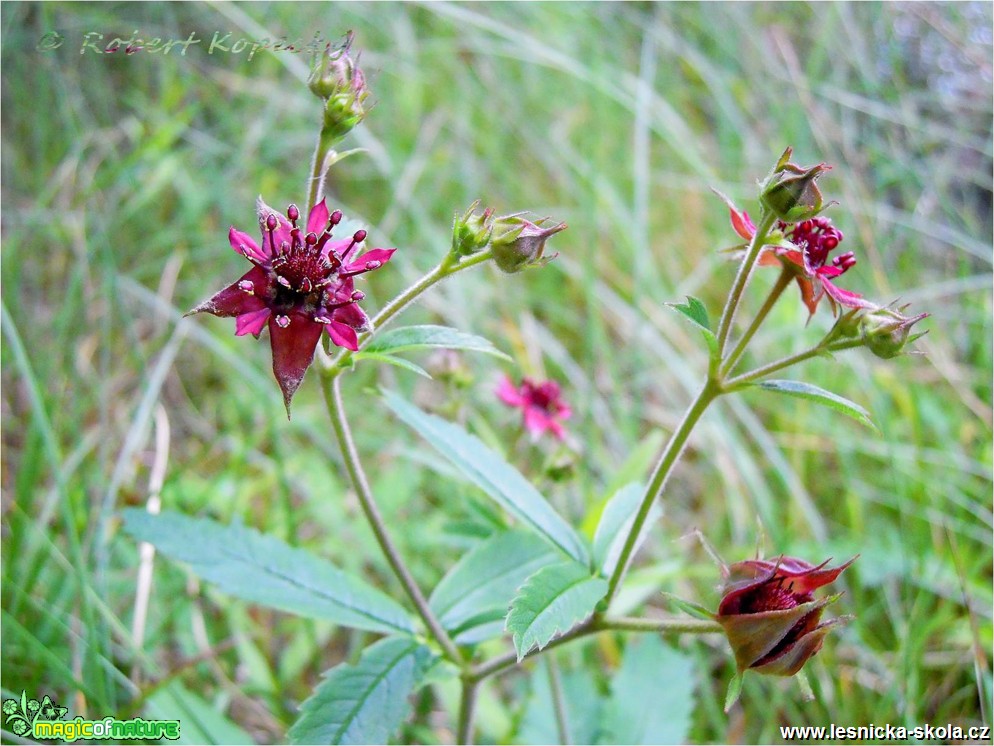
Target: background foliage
{"x":122,"y":173}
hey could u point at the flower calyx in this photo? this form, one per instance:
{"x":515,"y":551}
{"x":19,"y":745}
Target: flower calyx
{"x":518,"y":243}
{"x":471,"y":231}
{"x":770,"y":615}
{"x":791,"y":192}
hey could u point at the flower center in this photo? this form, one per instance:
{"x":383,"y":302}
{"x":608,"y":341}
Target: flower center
{"x":817,"y":238}
{"x":544,"y":396}
{"x":303,"y":269}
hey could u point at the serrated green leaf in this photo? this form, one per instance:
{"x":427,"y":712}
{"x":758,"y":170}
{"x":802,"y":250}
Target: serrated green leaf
{"x":392,"y":360}
{"x":615,"y":523}
{"x":552,"y":600}
{"x":367,"y":702}
{"x":429,"y":337}
{"x":491,"y":473}
{"x":650,"y":666}
{"x":694,"y":310}
{"x":262,"y":569}
{"x":478,"y":590}
{"x":201,"y":722}
{"x":820,"y":396}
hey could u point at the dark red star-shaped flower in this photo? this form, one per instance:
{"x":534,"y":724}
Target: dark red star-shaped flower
{"x":302,"y":283}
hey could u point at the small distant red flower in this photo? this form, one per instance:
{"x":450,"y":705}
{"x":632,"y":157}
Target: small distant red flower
{"x":542,"y":406}
{"x":302,"y":284}
{"x":770,"y":615}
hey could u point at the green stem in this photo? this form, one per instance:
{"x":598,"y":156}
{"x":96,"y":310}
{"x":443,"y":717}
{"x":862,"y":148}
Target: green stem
{"x":664,"y":466}
{"x":398,"y":304}
{"x":739,"y":381}
{"x":333,"y":401}
{"x":315,"y":185}
{"x":742,"y":278}
{"x":670,"y":626}
{"x":592,"y":626}
{"x":786,"y":275}
{"x":467,"y":708}
{"x":558,"y":702}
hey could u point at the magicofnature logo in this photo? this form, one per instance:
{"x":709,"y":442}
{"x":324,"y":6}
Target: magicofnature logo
{"x":45,"y":720}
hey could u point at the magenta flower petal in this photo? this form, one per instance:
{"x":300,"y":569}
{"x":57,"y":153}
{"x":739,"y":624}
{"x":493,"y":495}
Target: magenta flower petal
{"x":252,"y":322}
{"x":536,"y":421}
{"x":352,"y":315}
{"x":375,"y":257}
{"x":236,"y":299}
{"x":293,"y":350}
{"x":245,"y":245}
{"x":508,"y":393}
{"x":342,"y":335}
{"x":317,"y":221}
{"x":283,"y":227}
{"x":845,"y":297}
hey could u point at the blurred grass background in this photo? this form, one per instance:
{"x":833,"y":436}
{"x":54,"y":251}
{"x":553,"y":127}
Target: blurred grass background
{"x":121,"y":175}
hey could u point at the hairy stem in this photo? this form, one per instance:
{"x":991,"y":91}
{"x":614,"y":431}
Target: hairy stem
{"x":558,"y":702}
{"x":664,"y":466}
{"x":733,"y":383}
{"x":603,"y":624}
{"x":336,"y":410}
{"x":315,"y":184}
{"x":467,"y":708}
{"x":742,"y":278}
{"x":776,"y":291}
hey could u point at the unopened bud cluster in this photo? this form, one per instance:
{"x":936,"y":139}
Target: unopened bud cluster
{"x":339,"y":81}
{"x":516,"y":242}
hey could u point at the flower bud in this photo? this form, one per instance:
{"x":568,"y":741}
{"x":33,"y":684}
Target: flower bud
{"x":518,"y":243}
{"x":790,"y":192}
{"x":338,"y":79}
{"x":770,"y":615}
{"x":886,"y":333}
{"x":471,"y":231}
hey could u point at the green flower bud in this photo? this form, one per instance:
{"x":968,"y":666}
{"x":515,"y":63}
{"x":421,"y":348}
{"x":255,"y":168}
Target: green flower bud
{"x":887,"y":333}
{"x":338,"y":79}
{"x":518,"y":243}
{"x":792,"y":193}
{"x":471,"y":232}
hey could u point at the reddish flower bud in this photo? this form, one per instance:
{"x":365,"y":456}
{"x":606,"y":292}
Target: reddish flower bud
{"x":518,"y":243}
{"x":770,"y":615}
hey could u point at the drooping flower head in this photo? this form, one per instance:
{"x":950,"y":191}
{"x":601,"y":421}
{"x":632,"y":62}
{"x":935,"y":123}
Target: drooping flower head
{"x":302,"y":283}
{"x":770,"y":615}
{"x":541,"y":405}
{"x":805,"y":249}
